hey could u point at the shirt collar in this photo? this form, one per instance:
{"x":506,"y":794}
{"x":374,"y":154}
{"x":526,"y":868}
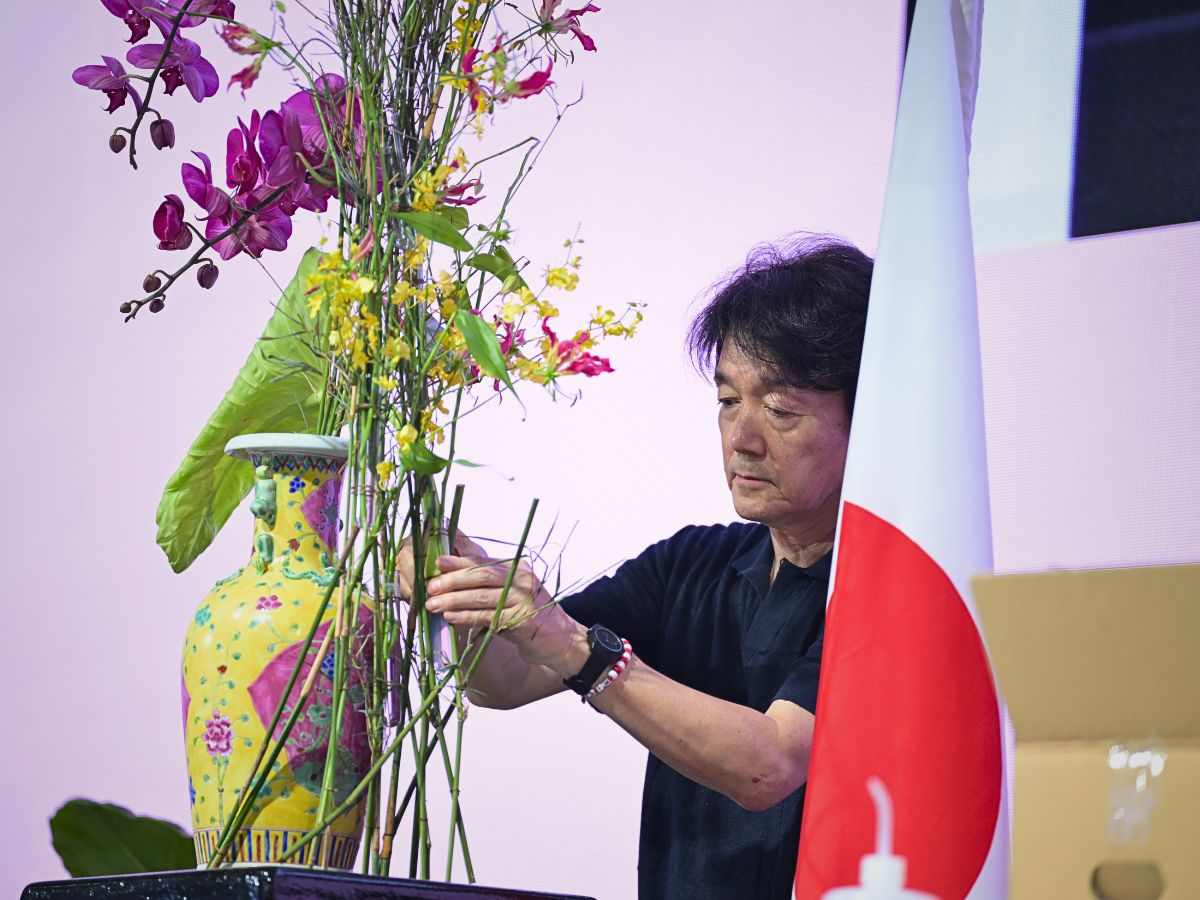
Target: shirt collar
{"x":754,"y":564}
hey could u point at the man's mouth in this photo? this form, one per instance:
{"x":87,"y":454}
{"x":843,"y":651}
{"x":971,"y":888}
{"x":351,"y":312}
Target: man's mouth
{"x":750,"y":479}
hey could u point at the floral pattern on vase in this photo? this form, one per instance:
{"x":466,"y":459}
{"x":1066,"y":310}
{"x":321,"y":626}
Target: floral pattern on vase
{"x":241,"y":647}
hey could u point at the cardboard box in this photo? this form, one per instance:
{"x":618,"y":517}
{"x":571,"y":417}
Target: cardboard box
{"x":1101,"y":673}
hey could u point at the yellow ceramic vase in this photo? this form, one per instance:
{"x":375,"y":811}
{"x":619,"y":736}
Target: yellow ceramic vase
{"x":241,"y":649}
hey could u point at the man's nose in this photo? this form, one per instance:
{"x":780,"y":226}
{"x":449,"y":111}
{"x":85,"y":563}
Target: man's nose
{"x":746,"y":436}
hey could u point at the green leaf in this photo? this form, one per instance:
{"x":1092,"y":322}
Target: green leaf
{"x":102,"y":839}
{"x":420,"y":459}
{"x":276,"y":390}
{"x":455,"y":215}
{"x":436,"y":228}
{"x":496,"y":264}
{"x":484,"y":345}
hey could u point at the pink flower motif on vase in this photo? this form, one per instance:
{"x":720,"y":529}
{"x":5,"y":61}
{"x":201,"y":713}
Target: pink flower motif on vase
{"x":309,"y":738}
{"x":186,"y":699}
{"x":218,"y":735}
{"x":271,"y":602}
{"x":320,"y":510}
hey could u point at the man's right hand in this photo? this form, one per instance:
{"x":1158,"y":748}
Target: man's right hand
{"x":542,"y":644}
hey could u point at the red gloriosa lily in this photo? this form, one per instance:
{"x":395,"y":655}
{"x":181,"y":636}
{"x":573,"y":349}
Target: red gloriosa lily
{"x":568,"y":21}
{"x":534,"y":84}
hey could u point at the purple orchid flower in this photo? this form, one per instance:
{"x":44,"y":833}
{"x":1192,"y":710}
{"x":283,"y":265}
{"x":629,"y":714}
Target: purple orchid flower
{"x":330,"y":91}
{"x":282,"y":146}
{"x":134,"y":13}
{"x":268,"y":229}
{"x":243,"y":165}
{"x":183,"y":65}
{"x":170,"y":229}
{"x":110,"y":78}
{"x":199,"y":186}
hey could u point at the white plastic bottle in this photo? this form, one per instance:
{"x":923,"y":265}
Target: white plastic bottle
{"x":881,"y":874}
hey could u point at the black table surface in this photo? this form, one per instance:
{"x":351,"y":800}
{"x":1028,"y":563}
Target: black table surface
{"x":268,"y":883}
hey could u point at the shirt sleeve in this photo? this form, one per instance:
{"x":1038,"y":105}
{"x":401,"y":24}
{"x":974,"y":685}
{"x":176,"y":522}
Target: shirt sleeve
{"x":800,"y":686}
{"x":631,"y":601}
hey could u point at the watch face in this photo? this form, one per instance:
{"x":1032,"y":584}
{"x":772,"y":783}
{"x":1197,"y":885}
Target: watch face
{"x":607,"y":642}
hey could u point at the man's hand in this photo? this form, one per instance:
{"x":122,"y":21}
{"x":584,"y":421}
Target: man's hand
{"x":469,"y":590}
{"x":542,"y":643}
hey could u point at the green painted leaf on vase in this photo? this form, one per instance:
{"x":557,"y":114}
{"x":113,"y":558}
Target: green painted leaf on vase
{"x":103,"y":839}
{"x":277,"y":389}
{"x":484,"y":345}
{"x":437,"y":228}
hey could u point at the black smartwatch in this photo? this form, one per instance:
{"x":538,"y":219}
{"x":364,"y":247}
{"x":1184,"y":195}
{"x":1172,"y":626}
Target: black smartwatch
{"x":606,"y":648}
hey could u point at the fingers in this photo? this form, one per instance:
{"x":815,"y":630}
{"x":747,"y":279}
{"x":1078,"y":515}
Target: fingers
{"x":405,"y":570}
{"x":460,"y":573}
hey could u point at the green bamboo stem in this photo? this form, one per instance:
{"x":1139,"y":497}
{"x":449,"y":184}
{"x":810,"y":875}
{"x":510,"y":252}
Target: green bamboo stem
{"x":356,"y":792}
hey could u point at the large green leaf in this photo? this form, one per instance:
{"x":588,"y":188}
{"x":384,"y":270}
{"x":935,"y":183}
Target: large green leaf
{"x":436,"y":228}
{"x":278,"y":389}
{"x":484,"y":345}
{"x":102,"y":839}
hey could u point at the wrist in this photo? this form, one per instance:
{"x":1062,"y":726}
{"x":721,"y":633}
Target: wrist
{"x":575,"y":651}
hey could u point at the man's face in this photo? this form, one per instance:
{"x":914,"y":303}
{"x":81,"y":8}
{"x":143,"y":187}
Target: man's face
{"x":784,"y":448}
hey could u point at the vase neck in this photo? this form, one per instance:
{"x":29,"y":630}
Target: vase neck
{"x":296,"y":504}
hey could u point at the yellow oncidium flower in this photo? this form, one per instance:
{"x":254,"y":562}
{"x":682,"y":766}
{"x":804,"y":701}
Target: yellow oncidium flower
{"x":386,"y":382}
{"x":448,"y":308}
{"x":511,"y":311}
{"x":446,"y":285}
{"x":402,"y":292}
{"x":406,"y":437}
{"x":384,"y":470}
{"x":430,"y":427}
{"x":415,"y":257}
{"x":562,"y":277}
{"x":465,"y":30}
{"x":364,"y":285}
{"x":396,"y":349}
{"x":603,"y":317}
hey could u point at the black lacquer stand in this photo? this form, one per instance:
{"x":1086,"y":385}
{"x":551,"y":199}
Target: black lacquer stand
{"x":268,"y":883}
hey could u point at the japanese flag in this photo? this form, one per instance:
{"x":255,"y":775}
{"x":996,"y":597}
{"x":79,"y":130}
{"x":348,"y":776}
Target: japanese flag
{"x":906,"y":691}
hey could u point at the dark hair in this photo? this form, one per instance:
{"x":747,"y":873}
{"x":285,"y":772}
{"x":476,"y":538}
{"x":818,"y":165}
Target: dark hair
{"x":799,"y":307}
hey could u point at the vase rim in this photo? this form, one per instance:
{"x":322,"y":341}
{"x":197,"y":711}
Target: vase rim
{"x":323,"y":445}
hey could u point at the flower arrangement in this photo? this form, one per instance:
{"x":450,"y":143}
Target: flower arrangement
{"x":389,"y":335}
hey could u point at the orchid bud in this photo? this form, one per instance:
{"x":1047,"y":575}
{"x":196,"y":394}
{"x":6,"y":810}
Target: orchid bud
{"x":162,"y":133}
{"x":157,"y":304}
{"x":116,"y":143}
{"x":207,"y":275}
{"x":151,"y":283}
{"x":126,"y":308}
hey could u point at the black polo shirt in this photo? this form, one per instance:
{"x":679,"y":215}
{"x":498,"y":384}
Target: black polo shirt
{"x":699,"y":608}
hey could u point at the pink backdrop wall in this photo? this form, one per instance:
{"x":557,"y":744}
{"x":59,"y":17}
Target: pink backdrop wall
{"x":697,"y":138}
{"x":704,"y":130}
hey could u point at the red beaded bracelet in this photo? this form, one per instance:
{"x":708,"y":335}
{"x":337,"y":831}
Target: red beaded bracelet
{"x":612,"y":675}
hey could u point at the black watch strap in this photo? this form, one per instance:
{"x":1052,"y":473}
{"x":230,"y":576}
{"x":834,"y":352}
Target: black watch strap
{"x":605,"y":649}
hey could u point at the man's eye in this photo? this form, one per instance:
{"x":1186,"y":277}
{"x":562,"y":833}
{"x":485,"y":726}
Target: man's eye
{"x":726,"y":401}
{"x":777,"y":413}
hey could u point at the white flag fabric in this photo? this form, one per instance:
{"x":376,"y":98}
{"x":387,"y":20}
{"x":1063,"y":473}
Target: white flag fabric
{"x":906,"y":690}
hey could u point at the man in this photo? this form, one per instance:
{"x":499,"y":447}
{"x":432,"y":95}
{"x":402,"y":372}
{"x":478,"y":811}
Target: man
{"x":725,"y":622}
